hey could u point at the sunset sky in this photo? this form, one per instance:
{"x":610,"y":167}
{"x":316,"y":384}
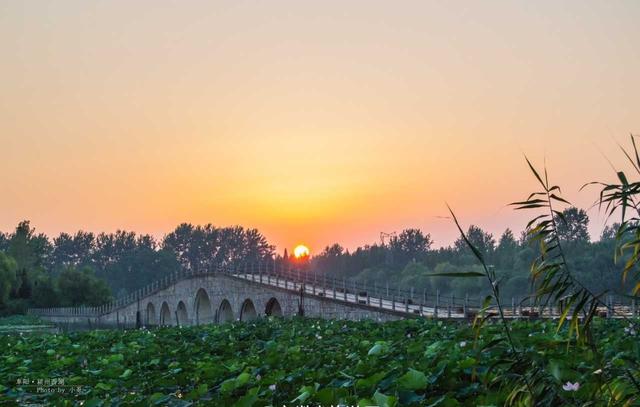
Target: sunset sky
{"x":315,"y":122}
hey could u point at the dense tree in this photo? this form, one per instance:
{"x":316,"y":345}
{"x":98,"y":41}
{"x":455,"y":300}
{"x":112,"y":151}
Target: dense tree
{"x":208,"y":247}
{"x":331,"y":260}
{"x":73,"y":250}
{"x":573,"y":225}
{"x":46,"y":293}
{"x":410,"y":244}
{"x":4,"y":241}
{"x":28,"y":249}
{"x":81,"y":287}
{"x":8,"y":278}
{"x":415,"y":275}
{"x":482,"y":240}
{"x":506,"y":250}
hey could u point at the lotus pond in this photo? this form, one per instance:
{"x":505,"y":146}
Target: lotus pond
{"x":288,"y":362}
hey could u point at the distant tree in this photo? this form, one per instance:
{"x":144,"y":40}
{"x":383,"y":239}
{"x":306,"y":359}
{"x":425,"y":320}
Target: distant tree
{"x":507,"y":241}
{"x":414,"y":275}
{"x":28,"y":249}
{"x":256,"y":246}
{"x":8,"y":278}
{"x":506,"y":250}
{"x":335,"y":250}
{"x":45,"y":293}
{"x":81,"y":287}
{"x":482,"y":240}
{"x":4,"y":242}
{"x":443,"y":283}
{"x":523,"y":240}
{"x":25,"y":284}
{"x":201,"y":247}
{"x":331,"y":261}
{"x":609,"y":232}
{"x":574,"y":226}
{"x":73,"y":250}
{"x":471,"y":287}
{"x":410,"y":244}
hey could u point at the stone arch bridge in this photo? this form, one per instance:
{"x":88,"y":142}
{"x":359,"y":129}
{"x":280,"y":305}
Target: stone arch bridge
{"x":232,"y":294}
{"x":221,"y":295}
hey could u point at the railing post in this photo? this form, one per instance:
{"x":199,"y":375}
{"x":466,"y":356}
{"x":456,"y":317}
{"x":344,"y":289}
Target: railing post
{"x":333,"y":287}
{"x":406,"y":304}
{"x":520,"y":306}
{"x":393,"y":302}
{"x":435,"y":309}
{"x":466,"y":304}
{"x":344,"y":288}
{"x":324,"y":284}
{"x":513,"y":306}
{"x":449,"y":307}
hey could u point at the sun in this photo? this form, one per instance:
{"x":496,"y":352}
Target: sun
{"x":301,"y":251}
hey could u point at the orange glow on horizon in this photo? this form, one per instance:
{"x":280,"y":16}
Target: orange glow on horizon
{"x":333,"y":122}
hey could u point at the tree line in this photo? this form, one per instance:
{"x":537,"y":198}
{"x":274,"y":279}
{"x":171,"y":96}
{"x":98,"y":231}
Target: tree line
{"x":90,"y":269}
{"x":409,"y":260}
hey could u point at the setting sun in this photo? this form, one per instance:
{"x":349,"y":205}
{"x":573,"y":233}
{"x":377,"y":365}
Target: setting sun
{"x":301,"y":251}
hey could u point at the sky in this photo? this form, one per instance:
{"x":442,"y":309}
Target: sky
{"x":315,"y":122}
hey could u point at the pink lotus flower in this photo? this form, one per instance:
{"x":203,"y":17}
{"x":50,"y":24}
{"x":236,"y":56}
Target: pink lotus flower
{"x":568,"y":386}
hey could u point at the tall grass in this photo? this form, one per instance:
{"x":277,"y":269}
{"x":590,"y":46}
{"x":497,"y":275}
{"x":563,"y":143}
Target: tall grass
{"x":553,"y":281}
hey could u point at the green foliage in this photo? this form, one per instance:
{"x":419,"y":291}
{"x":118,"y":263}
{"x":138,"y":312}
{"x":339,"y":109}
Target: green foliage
{"x":550,"y":271}
{"x":483,"y":242}
{"x":8,"y":278}
{"x":303,"y":361}
{"x":572,"y":225}
{"x":551,"y":231}
{"x":46,"y":293}
{"x":36,"y":271}
{"x":623,"y":197}
{"x":80,"y":286}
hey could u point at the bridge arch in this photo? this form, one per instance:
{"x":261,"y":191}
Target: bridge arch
{"x":181,"y":314}
{"x":225,"y":313}
{"x":151,"y":318}
{"x":248,"y":311}
{"x":165,"y":314}
{"x":273,"y":308}
{"x":202,"y":305}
